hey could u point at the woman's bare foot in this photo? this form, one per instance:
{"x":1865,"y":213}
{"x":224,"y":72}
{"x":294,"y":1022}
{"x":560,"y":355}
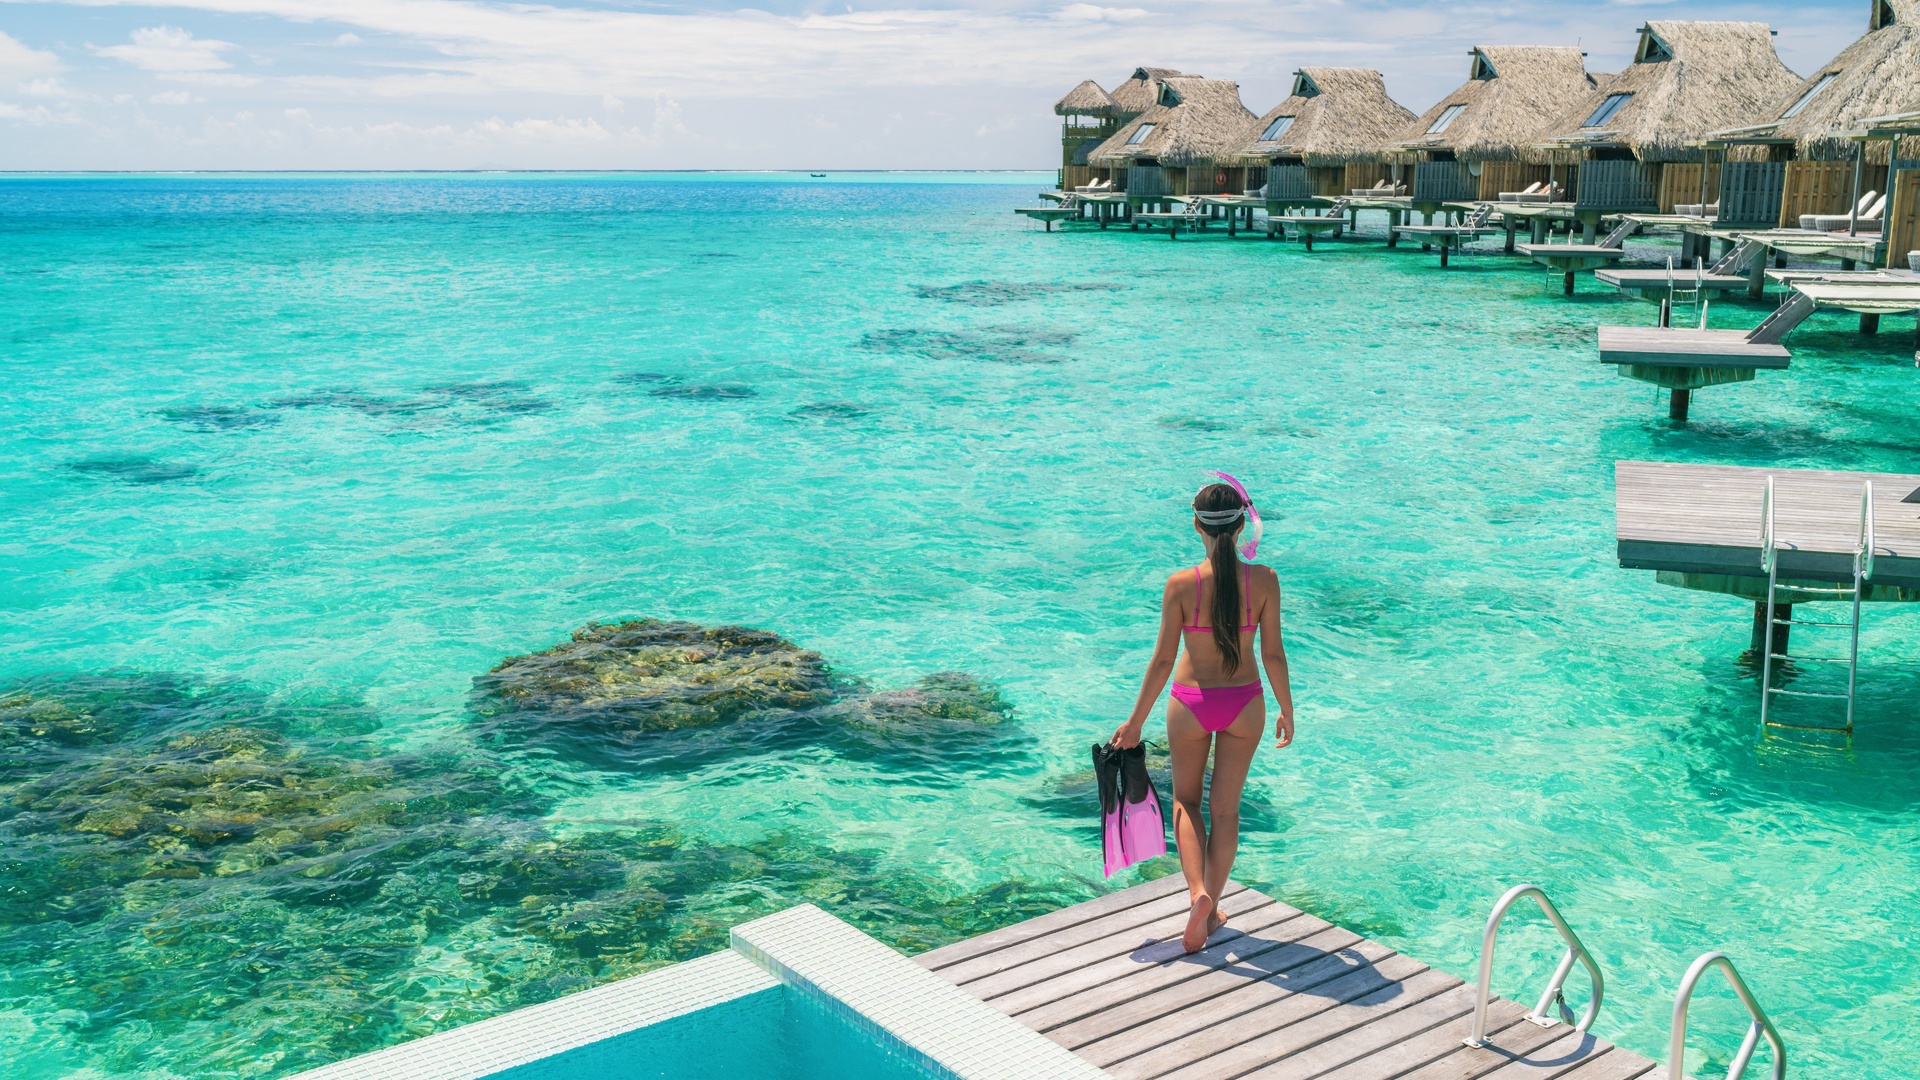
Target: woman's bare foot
{"x":1215,"y":921}
{"x":1199,"y":924}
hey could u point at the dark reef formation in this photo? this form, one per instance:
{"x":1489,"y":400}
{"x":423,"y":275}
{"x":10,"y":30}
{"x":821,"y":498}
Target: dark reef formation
{"x":650,"y":691}
{"x":214,"y":881}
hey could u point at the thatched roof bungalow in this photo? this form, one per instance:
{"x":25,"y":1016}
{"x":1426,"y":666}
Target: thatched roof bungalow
{"x":1804,"y":130}
{"x":1185,"y":144}
{"x":1088,"y":117}
{"x":1333,"y":118}
{"x":1482,"y":138}
{"x":1140,"y":91}
{"x":1686,"y":79}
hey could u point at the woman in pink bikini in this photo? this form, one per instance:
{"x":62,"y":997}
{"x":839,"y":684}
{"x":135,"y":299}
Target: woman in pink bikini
{"x":1216,"y":705}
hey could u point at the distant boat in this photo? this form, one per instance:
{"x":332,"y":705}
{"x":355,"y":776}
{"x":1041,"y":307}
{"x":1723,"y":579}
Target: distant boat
{"x":819,"y":175}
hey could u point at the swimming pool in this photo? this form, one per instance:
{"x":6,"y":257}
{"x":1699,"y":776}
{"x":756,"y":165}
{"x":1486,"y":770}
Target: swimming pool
{"x":293,"y":460}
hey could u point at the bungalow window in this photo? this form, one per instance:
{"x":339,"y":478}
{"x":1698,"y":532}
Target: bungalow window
{"x":1277,"y":128}
{"x":1607,"y":110}
{"x":1140,"y":134}
{"x":1445,"y":118}
{"x":1812,"y":91}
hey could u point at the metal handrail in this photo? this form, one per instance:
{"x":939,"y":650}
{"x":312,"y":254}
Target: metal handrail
{"x":1766,"y":527}
{"x":1863,"y":559}
{"x":1574,"y":950}
{"x":1677,"y":1049}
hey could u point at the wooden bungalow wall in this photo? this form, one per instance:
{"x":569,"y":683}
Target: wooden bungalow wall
{"x":1680,"y":183}
{"x":1360,"y":175}
{"x":1499,"y":176}
{"x":1903,"y":217}
{"x":1824,"y":187}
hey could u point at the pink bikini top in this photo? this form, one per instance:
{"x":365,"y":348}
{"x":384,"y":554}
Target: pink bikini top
{"x":1199,"y":598}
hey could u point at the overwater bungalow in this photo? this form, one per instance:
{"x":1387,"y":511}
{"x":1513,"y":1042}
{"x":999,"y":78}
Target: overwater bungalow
{"x":1634,"y":143}
{"x":1134,"y":95}
{"x":1482,"y":139}
{"x":1331,"y":135}
{"x":1088,"y":115}
{"x":1798,"y":160}
{"x":1185,"y":144}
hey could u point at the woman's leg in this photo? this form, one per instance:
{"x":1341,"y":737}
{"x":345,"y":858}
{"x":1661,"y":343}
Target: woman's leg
{"x":1232,"y":756}
{"x":1189,"y":744}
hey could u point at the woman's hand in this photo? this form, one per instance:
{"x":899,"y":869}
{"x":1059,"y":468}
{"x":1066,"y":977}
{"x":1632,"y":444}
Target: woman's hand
{"x":1282,"y":731}
{"x":1126,"y":736}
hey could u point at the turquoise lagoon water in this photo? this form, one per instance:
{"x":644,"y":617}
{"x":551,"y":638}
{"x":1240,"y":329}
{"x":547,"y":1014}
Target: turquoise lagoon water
{"x":305,"y":455}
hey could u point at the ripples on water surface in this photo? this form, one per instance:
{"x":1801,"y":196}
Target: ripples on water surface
{"x":289,"y":461}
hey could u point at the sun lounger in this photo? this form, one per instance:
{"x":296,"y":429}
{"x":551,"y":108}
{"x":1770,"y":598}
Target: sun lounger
{"x":1699,"y":210}
{"x":1096,"y":188}
{"x":1869,"y":219}
{"x":1537,"y":192}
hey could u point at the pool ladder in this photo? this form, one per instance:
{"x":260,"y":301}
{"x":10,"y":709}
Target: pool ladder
{"x":1555,"y":999}
{"x":1862,"y":571}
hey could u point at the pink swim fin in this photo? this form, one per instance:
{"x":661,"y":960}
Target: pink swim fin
{"x":1131,"y":828}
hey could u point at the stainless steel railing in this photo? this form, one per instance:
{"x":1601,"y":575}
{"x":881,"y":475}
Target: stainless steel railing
{"x":1575,"y":951}
{"x":1677,"y":1049}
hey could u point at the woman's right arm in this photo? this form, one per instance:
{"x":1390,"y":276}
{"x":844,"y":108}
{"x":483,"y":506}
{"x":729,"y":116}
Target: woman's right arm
{"x":1166,"y":649}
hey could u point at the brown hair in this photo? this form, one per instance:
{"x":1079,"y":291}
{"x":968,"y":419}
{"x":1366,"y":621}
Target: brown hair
{"x":1215,"y":499}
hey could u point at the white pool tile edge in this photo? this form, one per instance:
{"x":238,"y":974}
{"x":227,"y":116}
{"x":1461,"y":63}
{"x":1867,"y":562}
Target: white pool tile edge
{"x":490,"y":1046}
{"x":888,"y":995}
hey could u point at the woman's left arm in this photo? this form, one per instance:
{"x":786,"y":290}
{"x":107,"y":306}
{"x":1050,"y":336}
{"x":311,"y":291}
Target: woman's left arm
{"x":1166,"y":649}
{"x":1273,"y":655}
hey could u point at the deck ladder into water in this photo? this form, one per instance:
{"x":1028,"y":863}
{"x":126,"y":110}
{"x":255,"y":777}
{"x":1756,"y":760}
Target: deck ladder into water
{"x":1760,"y":1028}
{"x":1862,"y":572}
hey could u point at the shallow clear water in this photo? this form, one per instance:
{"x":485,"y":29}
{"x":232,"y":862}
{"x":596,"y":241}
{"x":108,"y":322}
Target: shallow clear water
{"x":323,"y":450}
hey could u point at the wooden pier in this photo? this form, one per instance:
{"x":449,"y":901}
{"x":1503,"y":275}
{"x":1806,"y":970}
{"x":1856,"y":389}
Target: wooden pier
{"x":1705,"y":520}
{"x":1277,"y":993}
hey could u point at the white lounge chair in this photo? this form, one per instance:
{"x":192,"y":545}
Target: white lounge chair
{"x":1699,"y":210}
{"x":1095,"y":188}
{"x":1257,"y":193}
{"x":1381,"y":189}
{"x":1538,"y":192}
{"x":1871,"y":207}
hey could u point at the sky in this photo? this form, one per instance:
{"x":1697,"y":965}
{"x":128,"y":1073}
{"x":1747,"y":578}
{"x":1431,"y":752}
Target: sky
{"x":708,"y":84}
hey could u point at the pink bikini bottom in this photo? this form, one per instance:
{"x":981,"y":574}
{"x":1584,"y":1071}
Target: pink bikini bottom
{"x":1216,"y":707}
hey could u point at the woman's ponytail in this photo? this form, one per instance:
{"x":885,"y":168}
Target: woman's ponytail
{"x":1218,"y":501}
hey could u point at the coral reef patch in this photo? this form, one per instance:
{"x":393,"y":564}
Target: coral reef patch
{"x":198,"y":883}
{"x":652,"y":691}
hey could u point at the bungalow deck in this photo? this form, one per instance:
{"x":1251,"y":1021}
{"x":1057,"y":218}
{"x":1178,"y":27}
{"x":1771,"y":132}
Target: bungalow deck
{"x":1277,"y":993}
{"x":1706,"y":519}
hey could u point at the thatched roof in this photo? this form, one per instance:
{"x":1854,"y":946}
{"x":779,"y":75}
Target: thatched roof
{"x":1878,"y":75}
{"x":1140,"y":90}
{"x":1686,"y":79}
{"x":1087,"y":99}
{"x":1513,"y":94}
{"x":1195,"y":121}
{"x":1339,"y":115}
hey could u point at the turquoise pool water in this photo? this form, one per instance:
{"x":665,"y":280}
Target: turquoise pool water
{"x":289,"y":461}
{"x":777,"y":1034}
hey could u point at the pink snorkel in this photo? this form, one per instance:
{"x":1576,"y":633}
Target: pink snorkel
{"x":1251,"y":546}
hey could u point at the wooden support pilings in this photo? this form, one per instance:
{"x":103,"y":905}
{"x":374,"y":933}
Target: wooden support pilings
{"x":1568,"y":287}
{"x":1677,"y":402}
{"x":1762,"y":618}
{"x":1869,"y":323}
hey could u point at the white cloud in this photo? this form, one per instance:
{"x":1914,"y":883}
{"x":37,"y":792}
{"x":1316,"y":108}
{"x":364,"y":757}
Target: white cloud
{"x":169,"y":50}
{"x":348,"y":38}
{"x":173,"y":97}
{"x":20,"y":64}
{"x":1095,"y":13}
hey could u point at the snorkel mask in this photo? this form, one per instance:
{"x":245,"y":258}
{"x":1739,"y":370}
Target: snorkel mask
{"x":1251,"y":545}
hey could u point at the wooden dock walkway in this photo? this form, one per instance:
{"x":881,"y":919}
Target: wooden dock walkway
{"x":1705,"y":519}
{"x":1277,"y":993}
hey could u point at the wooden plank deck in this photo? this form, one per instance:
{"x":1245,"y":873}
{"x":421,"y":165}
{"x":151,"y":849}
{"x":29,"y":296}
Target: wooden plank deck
{"x":1277,"y":994}
{"x":1705,"y":519}
{"x":1661,"y":346}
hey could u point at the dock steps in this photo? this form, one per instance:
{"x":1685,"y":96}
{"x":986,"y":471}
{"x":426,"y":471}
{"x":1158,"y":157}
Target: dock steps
{"x":1776,"y":643}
